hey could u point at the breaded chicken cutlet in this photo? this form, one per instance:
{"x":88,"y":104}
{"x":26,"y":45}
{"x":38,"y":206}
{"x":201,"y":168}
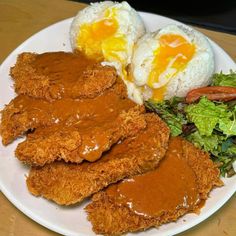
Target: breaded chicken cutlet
{"x":184,"y":178}
{"x":75,"y":143}
{"x":87,"y":115}
{"x":56,"y":75}
{"x":67,"y":183}
{"x":73,"y":109}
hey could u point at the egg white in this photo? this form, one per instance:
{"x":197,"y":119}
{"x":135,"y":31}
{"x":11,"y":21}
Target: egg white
{"x":133,"y":91}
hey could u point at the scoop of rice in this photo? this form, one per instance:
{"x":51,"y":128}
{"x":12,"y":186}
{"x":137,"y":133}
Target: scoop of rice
{"x":174,"y":79}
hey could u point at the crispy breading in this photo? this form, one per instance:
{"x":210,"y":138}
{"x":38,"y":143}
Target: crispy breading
{"x":93,"y":81}
{"x":112,"y":218}
{"x":58,"y":144}
{"x":72,"y":144}
{"x":67,"y":183}
{"x":16,"y":120}
{"x":45,"y":76}
{"x":24,"y":113}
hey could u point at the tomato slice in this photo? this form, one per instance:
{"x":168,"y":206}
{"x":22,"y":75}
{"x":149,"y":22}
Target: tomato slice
{"x":216,"y":93}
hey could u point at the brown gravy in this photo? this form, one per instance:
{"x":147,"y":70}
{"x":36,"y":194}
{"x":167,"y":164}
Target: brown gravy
{"x":64,"y":69}
{"x":101,"y":109}
{"x":171,"y":186}
{"x":91,"y":117}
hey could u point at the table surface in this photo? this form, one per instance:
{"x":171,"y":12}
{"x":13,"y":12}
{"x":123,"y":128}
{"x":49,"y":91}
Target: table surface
{"x":21,"y":19}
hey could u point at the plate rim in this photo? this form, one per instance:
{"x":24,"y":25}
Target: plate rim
{"x":54,"y":228}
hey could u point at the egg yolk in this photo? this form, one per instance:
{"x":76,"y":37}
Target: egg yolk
{"x":91,"y":36}
{"x":100,"y":39}
{"x":170,"y":58}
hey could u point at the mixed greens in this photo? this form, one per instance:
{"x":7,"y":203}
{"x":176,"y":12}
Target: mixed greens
{"x":221,"y":79}
{"x":210,"y":125}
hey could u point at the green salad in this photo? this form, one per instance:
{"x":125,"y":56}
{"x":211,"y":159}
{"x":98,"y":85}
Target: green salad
{"x":208,"y":124}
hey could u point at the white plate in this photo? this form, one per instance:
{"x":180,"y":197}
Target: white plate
{"x":72,"y":220}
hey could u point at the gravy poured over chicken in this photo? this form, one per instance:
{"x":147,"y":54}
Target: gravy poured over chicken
{"x":67,"y":95}
{"x":170,"y":187}
{"x":180,"y":184}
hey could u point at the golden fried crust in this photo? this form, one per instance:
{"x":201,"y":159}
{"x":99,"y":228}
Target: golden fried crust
{"x":94,"y":80}
{"x":66,"y":144}
{"x":29,"y":81}
{"x":206,"y":171}
{"x":58,"y":144}
{"x":110,"y":218}
{"x":70,"y":183}
{"x":14,"y":123}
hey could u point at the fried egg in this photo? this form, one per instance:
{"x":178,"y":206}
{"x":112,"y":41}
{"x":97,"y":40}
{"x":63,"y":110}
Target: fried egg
{"x":170,"y":62}
{"x":107,"y":31}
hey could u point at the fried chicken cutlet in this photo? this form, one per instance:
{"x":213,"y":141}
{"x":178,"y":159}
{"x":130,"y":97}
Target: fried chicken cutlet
{"x":24,"y":113}
{"x":67,"y":183}
{"x":180,"y":183}
{"x":55,"y":75}
{"x":71,"y":129}
{"x":76,"y":143}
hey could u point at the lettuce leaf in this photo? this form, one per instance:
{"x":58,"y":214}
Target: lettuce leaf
{"x":231,"y":150}
{"x":221,"y":149}
{"x":169,"y":112}
{"x":221,"y":79}
{"x":208,"y":143}
{"x":206,"y":115}
{"x":228,"y":126}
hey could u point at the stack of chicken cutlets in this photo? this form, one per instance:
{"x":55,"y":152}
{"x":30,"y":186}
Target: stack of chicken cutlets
{"x":85,"y":138}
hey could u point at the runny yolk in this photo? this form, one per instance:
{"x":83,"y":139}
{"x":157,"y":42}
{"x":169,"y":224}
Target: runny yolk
{"x":158,"y":94}
{"x":171,"y":57}
{"x":92,"y":36}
